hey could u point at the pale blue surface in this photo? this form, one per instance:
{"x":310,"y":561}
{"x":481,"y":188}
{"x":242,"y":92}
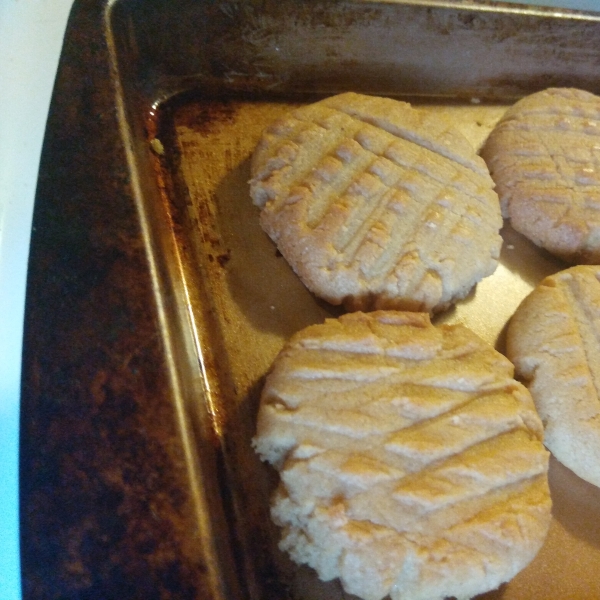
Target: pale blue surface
{"x":10,"y":587}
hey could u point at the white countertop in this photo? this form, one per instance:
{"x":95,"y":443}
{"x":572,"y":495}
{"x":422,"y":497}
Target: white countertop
{"x":31,"y":33}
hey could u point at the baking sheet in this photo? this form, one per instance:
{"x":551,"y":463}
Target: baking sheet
{"x":156,"y":304}
{"x":259,"y":303}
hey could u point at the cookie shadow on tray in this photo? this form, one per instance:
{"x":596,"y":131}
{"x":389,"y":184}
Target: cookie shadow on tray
{"x":522,"y":257}
{"x":575,"y":503}
{"x":262,"y":284}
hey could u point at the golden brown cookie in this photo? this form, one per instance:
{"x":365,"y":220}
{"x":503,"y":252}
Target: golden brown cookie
{"x":411,"y":461}
{"x":554,"y":341}
{"x":544,"y":156}
{"x":376,"y":204}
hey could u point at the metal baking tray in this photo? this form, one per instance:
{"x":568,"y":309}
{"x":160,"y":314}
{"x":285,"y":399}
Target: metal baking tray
{"x":155,"y":303}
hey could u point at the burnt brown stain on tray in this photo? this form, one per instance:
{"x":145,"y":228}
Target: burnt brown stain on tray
{"x":105,"y":506}
{"x":206,"y":117}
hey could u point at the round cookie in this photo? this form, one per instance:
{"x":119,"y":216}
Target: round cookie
{"x":544,"y":156}
{"x":376,"y":204}
{"x":553,"y":340}
{"x":411,"y":462}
